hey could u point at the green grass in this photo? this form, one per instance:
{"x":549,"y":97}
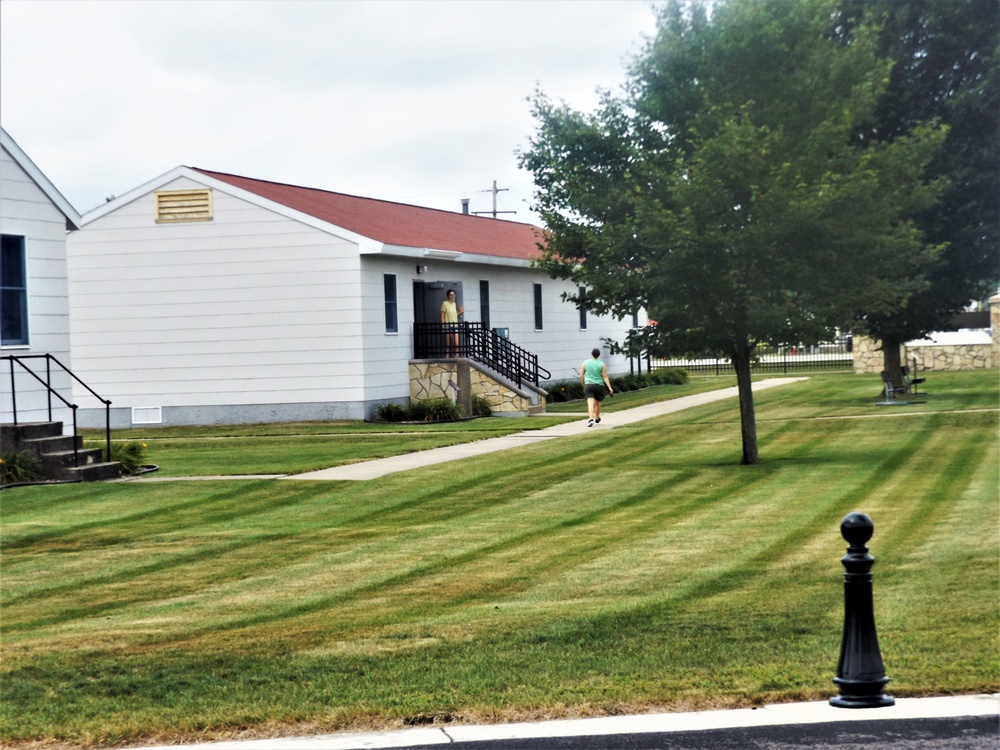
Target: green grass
{"x":632,"y":399}
{"x":294,"y":448}
{"x":634,"y":569}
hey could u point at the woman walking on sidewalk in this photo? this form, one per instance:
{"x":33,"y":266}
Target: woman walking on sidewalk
{"x":594,"y":377}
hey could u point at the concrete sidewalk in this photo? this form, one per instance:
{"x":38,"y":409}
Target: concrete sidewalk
{"x":562,"y":731}
{"x":382,"y":466}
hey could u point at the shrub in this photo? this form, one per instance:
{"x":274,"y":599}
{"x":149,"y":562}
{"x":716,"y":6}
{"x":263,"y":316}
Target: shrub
{"x":564,"y":390}
{"x":20,"y":466}
{"x":669,"y":376}
{"x":130,"y":454}
{"x":481,"y":407}
{"x":392,"y":412}
{"x":627,"y":383}
{"x":434,"y":410}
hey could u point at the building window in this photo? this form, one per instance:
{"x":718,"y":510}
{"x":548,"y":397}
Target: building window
{"x":484,"y":303}
{"x":635,"y":319}
{"x":173,"y":206}
{"x":538,"y":307}
{"x":581,"y":303}
{"x":13,"y":292}
{"x":391,"y":320}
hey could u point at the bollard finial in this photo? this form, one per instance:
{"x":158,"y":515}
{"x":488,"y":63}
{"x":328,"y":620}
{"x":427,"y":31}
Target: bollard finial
{"x":857,"y":528}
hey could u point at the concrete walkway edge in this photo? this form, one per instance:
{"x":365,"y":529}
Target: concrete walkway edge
{"x":817,"y":712}
{"x":382,"y":466}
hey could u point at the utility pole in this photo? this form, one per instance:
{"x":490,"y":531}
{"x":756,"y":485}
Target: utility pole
{"x":495,"y":190}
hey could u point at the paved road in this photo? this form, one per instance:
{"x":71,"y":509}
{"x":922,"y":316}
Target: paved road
{"x":942,"y":723}
{"x":969,"y":733}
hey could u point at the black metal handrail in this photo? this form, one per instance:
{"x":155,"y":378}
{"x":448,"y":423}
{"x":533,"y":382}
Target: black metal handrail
{"x":49,"y":359}
{"x":479,"y":343}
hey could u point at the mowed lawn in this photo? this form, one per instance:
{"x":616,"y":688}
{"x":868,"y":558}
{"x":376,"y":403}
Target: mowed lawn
{"x":625,"y":570}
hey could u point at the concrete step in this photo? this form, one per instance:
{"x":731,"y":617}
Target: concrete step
{"x":55,"y":451}
{"x":54,"y":444}
{"x":59,"y":464}
{"x":96,"y":472}
{"x":12,"y":436}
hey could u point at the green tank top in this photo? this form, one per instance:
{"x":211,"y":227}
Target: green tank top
{"x":592,"y":370}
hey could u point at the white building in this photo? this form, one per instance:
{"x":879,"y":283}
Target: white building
{"x":34,"y":307}
{"x":203,"y":297}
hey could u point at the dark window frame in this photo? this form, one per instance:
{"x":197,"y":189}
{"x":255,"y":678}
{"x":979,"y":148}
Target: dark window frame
{"x":13,"y":291}
{"x":391,"y":303}
{"x":484,"y":303}
{"x":539,"y":319}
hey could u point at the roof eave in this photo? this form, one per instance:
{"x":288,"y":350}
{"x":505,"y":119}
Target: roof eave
{"x":450,"y":256}
{"x":73,"y":218}
{"x":367,"y":244}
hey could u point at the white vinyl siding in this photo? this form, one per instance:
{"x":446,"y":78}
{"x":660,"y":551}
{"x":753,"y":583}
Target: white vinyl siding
{"x":26,"y":211}
{"x":252,"y":308}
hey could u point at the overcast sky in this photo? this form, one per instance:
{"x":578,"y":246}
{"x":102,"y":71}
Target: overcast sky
{"x":417,"y":101}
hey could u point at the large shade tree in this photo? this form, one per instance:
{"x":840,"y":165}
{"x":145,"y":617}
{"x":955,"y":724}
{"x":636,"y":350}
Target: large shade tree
{"x":946,"y":56}
{"x":725,"y":188}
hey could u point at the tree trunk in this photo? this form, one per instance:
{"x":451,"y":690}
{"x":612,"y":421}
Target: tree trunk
{"x":748,"y":421}
{"x":891,"y":362}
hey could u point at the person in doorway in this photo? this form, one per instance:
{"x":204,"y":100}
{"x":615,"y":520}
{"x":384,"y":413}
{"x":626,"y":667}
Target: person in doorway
{"x":449,"y":319}
{"x":594,"y":377}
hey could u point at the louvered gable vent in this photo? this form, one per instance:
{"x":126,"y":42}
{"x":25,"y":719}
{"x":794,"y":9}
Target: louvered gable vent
{"x":183,"y":205}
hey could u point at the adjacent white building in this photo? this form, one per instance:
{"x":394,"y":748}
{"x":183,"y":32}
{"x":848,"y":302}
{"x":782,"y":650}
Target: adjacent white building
{"x":203,"y":297}
{"x":34,"y":304}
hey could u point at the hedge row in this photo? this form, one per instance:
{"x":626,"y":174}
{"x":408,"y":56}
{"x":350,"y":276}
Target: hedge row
{"x":431,"y":410}
{"x":571,"y":390}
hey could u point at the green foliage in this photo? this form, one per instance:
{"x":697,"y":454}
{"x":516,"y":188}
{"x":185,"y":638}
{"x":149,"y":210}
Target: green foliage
{"x":430,"y":410}
{"x":572,"y":390}
{"x":725,"y":191}
{"x":946,"y":68}
{"x":564,"y":390}
{"x":131,"y":454}
{"x":669,"y":376}
{"x":20,"y":466}
{"x":434,"y":410}
{"x":392,"y":412}
{"x":481,"y":407}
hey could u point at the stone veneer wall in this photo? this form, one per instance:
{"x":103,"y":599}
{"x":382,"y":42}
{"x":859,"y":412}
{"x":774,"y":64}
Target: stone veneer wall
{"x":502,"y":399}
{"x":867,"y":355}
{"x":868,"y":359}
{"x":430,"y":380}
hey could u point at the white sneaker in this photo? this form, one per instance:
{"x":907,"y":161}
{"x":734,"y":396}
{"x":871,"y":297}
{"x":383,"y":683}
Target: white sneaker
{"x":590,"y":423}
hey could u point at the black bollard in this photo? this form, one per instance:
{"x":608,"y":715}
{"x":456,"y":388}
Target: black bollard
{"x":860,"y":672}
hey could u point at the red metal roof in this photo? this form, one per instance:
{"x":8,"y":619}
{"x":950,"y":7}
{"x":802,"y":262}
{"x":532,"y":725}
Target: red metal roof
{"x":398,"y":223}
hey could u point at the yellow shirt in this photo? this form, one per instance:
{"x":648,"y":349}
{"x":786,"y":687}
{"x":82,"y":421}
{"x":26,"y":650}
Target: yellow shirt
{"x":450,"y":310}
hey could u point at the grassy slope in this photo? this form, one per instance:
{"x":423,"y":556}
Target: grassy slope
{"x":629,"y":569}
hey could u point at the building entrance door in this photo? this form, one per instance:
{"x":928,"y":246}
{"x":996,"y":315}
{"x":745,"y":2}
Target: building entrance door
{"x":428,"y":296}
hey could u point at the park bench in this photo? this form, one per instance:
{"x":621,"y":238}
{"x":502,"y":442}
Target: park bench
{"x":889,"y":391}
{"x":911,"y":383}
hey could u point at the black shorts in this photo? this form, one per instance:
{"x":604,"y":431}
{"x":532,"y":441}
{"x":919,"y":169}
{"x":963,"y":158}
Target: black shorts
{"x":594,"y":391}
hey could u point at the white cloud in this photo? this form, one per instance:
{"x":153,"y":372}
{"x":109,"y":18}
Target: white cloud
{"x":421,"y":101}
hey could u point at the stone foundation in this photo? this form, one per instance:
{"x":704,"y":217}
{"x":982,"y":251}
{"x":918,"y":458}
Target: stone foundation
{"x":433,"y":379}
{"x":502,"y":399}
